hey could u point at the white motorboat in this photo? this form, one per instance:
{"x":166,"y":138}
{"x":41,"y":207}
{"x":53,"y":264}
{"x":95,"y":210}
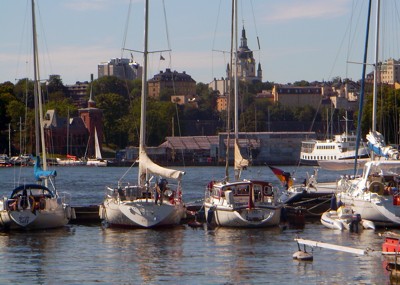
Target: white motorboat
{"x":344,"y":218}
{"x":147,"y":204}
{"x":342,"y":147}
{"x":35,"y":206}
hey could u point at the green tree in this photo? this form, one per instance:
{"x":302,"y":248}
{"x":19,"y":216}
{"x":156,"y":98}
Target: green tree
{"x":114,"y":107}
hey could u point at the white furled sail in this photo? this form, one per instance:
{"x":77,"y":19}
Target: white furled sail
{"x":146,"y":165}
{"x":240,"y":162}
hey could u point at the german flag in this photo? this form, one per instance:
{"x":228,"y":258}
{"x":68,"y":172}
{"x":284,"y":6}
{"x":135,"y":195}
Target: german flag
{"x":284,"y":177}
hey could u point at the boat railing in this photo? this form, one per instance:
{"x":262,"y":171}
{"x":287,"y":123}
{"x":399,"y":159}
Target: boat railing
{"x":65,"y":197}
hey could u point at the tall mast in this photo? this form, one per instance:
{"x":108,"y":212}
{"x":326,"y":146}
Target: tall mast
{"x":39,"y":124}
{"x":235,"y":75}
{"x":376,"y":71}
{"x":143,"y":104}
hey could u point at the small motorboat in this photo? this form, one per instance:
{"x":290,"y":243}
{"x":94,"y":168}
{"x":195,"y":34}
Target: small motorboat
{"x":344,"y":218}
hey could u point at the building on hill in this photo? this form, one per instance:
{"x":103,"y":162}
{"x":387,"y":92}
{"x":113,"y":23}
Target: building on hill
{"x":122,"y":68}
{"x":296,"y":96}
{"x":65,"y":135}
{"x":78,"y":92}
{"x":175,"y":83}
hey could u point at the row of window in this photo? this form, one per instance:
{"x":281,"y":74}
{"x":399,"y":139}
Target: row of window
{"x":319,"y":157}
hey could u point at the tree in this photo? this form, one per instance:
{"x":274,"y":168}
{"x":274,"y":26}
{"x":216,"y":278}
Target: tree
{"x":110,"y":84}
{"x":114,"y":107}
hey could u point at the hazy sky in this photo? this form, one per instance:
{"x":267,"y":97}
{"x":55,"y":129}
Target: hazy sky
{"x":299,"y":39}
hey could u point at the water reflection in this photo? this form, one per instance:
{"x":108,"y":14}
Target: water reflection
{"x":144,"y":255}
{"x":26,"y":255}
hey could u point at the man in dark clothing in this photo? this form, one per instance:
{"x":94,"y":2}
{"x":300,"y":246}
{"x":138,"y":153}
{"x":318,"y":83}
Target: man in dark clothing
{"x":161,"y":187}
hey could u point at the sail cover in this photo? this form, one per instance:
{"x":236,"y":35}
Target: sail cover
{"x":147,"y":165}
{"x":240,"y":162}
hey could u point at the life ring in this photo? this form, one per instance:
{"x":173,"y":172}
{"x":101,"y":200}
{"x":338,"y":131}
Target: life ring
{"x":376,"y":187}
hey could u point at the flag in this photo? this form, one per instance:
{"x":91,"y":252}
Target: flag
{"x":283,"y":176}
{"x":161,"y":57}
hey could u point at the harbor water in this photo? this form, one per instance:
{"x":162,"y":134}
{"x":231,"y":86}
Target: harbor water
{"x":91,"y":254}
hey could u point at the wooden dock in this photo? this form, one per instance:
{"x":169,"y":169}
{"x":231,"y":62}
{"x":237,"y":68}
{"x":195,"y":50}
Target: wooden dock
{"x":88,"y":214}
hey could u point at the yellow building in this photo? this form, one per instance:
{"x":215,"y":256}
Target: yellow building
{"x":295,"y":96}
{"x":172,"y":82}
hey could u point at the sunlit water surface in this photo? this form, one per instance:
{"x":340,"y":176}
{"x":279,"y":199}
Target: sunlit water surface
{"x":90,"y":254}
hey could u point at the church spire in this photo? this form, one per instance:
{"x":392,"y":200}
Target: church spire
{"x":91,"y":102}
{"x":243,"y":39}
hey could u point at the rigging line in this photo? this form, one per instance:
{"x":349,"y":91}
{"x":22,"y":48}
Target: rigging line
{"x":352,"y":37}
{"x":126,"y":28}
{"x":44,"y":43}
{"x":255,"y":28}
{"x":397,"y":17}
{"x":213,"y":41}
{"x":169,"y":46}
{"x":347,"y":32}
{"x":23,"y":36}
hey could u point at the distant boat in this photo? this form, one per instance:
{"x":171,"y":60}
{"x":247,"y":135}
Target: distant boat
{"x":5,"y":160}
{"x":343,"y":164}
{"x":146,"y":204}
{"x":342,"y":147}
{"x":70,"y":160}
{"x":35,"y":206}
{"x":98,"y":160}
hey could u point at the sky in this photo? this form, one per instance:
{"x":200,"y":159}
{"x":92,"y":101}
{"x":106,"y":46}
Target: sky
{"x":312,"y":40}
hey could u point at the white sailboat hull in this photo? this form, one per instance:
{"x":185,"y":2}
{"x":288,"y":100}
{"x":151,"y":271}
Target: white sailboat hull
{"x":258,"y":217}
{"x":53,"y":216}
{"x":243,"y":204}
{"x":141,"y":213}
{"x":379,"y":210}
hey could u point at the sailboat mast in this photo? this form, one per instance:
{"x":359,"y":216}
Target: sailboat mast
{"x":376,"y":71}
{"x":143,"y":104}
{"x":35,"y":90}
{"x":39,"y":124}
{"x":235,"y":75}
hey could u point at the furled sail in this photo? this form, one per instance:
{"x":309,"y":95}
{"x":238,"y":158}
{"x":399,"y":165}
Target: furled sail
{"x":147,"y":165}
{"x":240,"y":162}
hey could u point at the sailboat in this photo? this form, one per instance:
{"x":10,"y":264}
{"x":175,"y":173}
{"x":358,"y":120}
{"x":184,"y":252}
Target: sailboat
{"x":36,"y":206}
{"x":241,"y":203}
{"x":155,"y":201}
{"x":98,"y":160}
{"x":374,"y":195}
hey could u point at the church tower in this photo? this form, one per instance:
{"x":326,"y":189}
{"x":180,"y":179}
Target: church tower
{"x":246,"y":68}
{"x":93,"y":120}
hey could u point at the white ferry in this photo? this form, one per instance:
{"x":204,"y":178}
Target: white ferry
{"x":341,"y":147}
